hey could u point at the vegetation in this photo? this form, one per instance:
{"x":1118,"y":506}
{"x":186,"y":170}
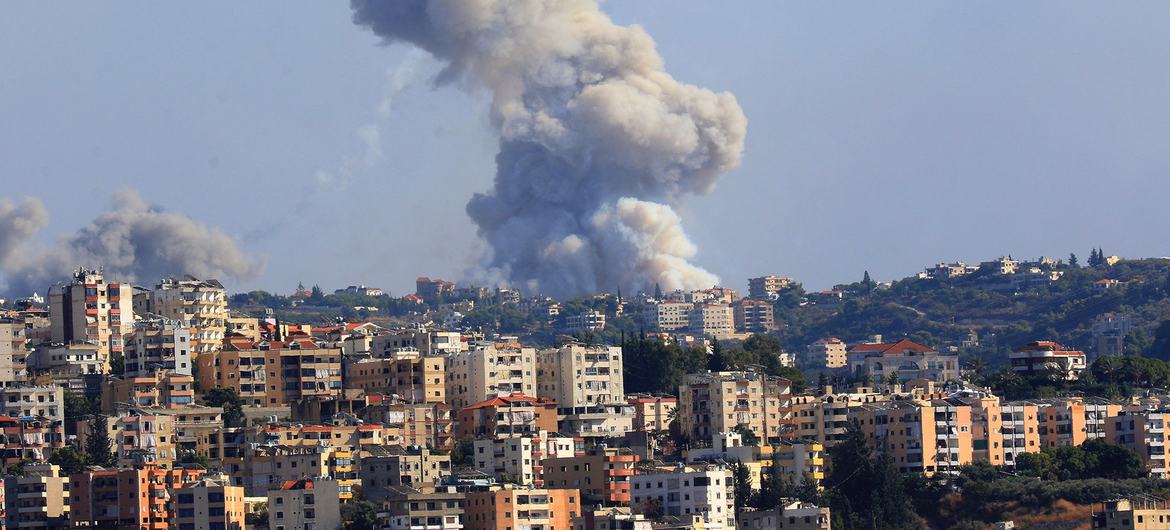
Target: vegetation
{"x":656,"y":367}
{"x":864,"y":490}
{"x":71,"y":460}
{"x":233,"y":406}
{"x":99,"y":450}
{"x":359,"y":514}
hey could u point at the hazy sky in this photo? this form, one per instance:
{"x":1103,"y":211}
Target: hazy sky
{"x":881,"y":136}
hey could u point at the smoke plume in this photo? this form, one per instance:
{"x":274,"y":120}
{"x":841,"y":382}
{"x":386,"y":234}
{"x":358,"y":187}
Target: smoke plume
{"x":597,"y":141}
{"x":133,"y":242}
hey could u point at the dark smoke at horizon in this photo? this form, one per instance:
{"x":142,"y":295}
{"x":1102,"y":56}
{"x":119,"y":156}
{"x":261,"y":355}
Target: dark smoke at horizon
{"x":597,"y":141}
{"x":131,"y":242}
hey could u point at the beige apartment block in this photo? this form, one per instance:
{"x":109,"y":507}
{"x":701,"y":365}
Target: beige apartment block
{"x":718,"y":402}
{"x":487,"y":371}
{"x":581,"y":376}
{"x":13,"y":354}
{"x":520,"y":459}
{"x":766,"y":287}
{"x":713,"y":320}
{"x":516,"y":508}
{"x":208,"y":503}
{"x":830,"y":351}
{"x":88,"y":309}
{"x":669,"y":316}
{"x":303,"y":504}
{"x":39,"y":499}
{"x":273,"y":373}
{"x":753,"y":316}
{"x":200,"y":303}
{"x":405,"y":373}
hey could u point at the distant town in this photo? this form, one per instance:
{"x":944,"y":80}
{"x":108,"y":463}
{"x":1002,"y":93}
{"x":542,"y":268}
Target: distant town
{"x":182,"y":405}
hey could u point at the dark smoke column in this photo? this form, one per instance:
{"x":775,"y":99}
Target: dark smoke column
{"x":597,"y":141}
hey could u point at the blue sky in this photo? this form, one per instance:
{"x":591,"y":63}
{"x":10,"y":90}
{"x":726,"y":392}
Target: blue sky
{"x":881,"y":136}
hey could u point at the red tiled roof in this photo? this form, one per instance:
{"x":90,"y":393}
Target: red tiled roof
{"x":900,"y":346}
{"x":508,"y":400}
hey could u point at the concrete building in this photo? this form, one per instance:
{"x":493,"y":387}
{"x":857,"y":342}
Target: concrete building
{"x":515,"y":414}
{"x":158,"y":344}
{"x":921,"y":437}
{"x":793,"y":515}
{"x":712,"y":320}
{"x":79,"y":367}
{"x":718,"y":402}
{"x":13,"y":354}
{"x":90,"y":310}
{"x":1131,"y":514}
{"x":906,"y":359}
{"x":34,"y":402}
{"x":825,"y":417}
{"x":273,"y":373}
{"x":304,"y":504}
{"x":126,"y":498}
{"x":405,"y":373}
{"x":520,"y":459}
{"x":616,"y":518}
{"x":517,"y":508}
{"x":585,"y":322}
{"x":705,"y":491}
{"x":652,"y":413}
{"x":411,"y":509}
{"x":209,"y":503}
{"x":766,"y":287}
{"x":200,"y":304}
{"x":668,"y":316}
{"x":581,"y":376}
{"x":263,"y":468}
{"x":830,"y":351}
{"x":39,"y":499}
{"x":602,"y":475}
{"x":1146,"y":432}
{"x":433,"y":289}
{"x":488,"y":371}
{"x":1070,"y":422}
{"x":158,"y":389}
{"x":753,"y":316}
{"x":388,"y":467}
{"x":1045,"y":357}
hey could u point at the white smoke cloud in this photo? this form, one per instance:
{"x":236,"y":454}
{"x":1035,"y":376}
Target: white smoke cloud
{"x":596,"y":139}
{"x":133,"y":242}
{"x":370,"y":133}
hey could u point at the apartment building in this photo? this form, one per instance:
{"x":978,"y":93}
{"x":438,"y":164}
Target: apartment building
{"x":13,"y":354}
{"x":1048,"y":357}
{"x":668,"y":316}
{"x":38,"y":499}
{"x":305,"y":504}
{"x":411,"y":509}
{"x":273,"y":373}
{"x":791,"y":516}
{"x":830,"y":351}
{"x":766,"y":287}
{"x":404,"y":373}
{"x":209,"y":503}
{"x":29,"y":439}
{"x":385,"y":468}
{"x":825,"y":417}
{"x":266,"y":467}
{"x":515,"y":414}
{"x":712,"y":320}
{"x":718,"y":402}
{"x":77,"y":367}
{"x":753,"y":316}
{"x":422,"y":424}
{"x":143,"y":439}
{"x":1144,"y":431}
{"x":602,"y":475}
{"x":905,"y":359}
{"x":1019,"y":423}
{"x":90,"y":310}
{"x":520,"y":459}
{"x":29,"y":401}
{"x":652,"y":413}
{"x":577,"y":376}
{"x":200,"y":304}
{"x":705,"y":491}
{"x":921,"y":437}
{"x":490,"y":370}
{"x":517,"y":508}
{"x":1141,"y":513}
{"x":158,"y":344}
{"x":1072,"y":421}
{"x":126,"y":498}
{"x":585,"y":322}
{"x":157,"y":389}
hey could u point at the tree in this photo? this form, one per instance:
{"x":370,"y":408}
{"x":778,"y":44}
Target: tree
{"x":865,"y":488}
{"x":657,"y":292}
{"x":1072,"y":260}
{"x":774,"y":488}
{"x":893,"y":379}
{"x":747,"y":435}
{"x":70,"y":459}
{"x":741,"y":479}
{"x":117,"y":364}
{"x":77,"y":407}
{"x":867,"y":283}
{"x":716,"y":363}
{"x":98,"y":447}
{"x":359,"y":514}
{"x":233,"y":406}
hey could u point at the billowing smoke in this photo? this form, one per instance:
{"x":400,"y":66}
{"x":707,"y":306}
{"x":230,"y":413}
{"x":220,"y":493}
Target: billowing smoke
{"x":597,"y":141}
{"x":133,"y":242}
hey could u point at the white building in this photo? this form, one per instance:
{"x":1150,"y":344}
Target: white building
{"x":490,"y":370}
{"x":518,"y":458}
{"x":717,"y":320}
{"x":706,"y":491}
{"x":669,"y":316}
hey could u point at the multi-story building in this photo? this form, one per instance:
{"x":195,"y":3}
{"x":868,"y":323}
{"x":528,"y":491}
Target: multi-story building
{"x":395,"y":466}
{"x":90,"y":310}
{"x":792,"y":516}
{"x":1070,"y":422}
{"x":27,"y":401}
{"x":520,"y":459}
{"x":602,"y":475}
{"x":1047,"y":357}
{"x":158,"y":389}
{"x":305,"y":503}
{"x":1019,"y":423}
{"x":921,"y":437}
{"x":712,"y":320}
{"x":830,"y":351}
{"x":126,"y":498}
{"x":433,"y":289}
{"x":517,"y":508}
{"x":905,"y":359}
{"x":37,"y":499}
{"x":753,"y":316}
{"x":209,"y":503}
{"x":766,"y":287}
{"x":705,"y":491}
{"x":577,"y":376}
{"x":405,"y":373}
{"x":652,"y":413}
{"x":718,"y":402}
{"x":202,"y":304}
{"x":488,"y":371}
{"x":78,"y":367}
{"x":825,"y":417}
{"x":1146,"y":432}
{"x":143,"y":439}
{"x":410,"y":509}
{"x":13,"y":354}
{"x":267,"y":467}
{"x":515,"y":414}
{"x":158,"y":344}
{"x":29,"y":439}
{"x":273,"y":373}
{"x":1142,"y":513}
{"x":668,"y":316}
{"x":587,"y":321}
